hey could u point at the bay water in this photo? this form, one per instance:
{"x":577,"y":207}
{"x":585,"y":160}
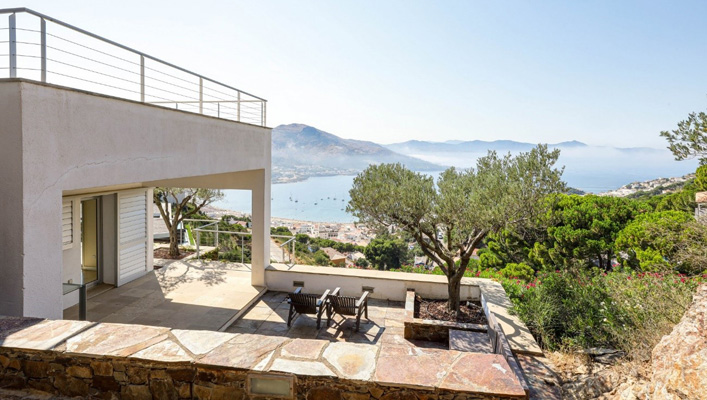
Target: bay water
{"x":324,"y":199}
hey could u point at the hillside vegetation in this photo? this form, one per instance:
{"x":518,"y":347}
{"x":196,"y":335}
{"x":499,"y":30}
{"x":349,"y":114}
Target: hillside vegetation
{"x":597,"y":271}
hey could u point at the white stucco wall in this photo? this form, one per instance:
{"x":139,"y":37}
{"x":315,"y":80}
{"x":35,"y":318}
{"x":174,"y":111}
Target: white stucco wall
{"x":387,"y":285}
{"x":62,"y":142}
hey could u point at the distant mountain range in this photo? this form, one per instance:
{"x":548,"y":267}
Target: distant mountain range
{"x":420,"y":147}
{"x":472,"y":146}
{"x":300,"y":151}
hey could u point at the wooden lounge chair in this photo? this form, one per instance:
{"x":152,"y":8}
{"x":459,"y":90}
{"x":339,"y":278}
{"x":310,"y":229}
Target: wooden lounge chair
{"x":345,"y":305}
{"x":303,"y":303}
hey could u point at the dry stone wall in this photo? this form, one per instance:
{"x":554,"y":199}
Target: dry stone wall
{"x":116,"y":361}
{"x":122,"y":378}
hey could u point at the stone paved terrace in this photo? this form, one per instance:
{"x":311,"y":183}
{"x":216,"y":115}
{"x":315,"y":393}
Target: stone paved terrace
{"x":134,"y":361}
{"x":280,"y":277}
{"x":269,"y":317}
{"x":185,"y":294}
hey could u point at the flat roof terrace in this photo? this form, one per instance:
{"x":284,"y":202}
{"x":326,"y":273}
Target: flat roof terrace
{"x":48,"y":50}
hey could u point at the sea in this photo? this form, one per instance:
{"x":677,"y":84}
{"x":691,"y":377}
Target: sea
{"x":324,"y":199}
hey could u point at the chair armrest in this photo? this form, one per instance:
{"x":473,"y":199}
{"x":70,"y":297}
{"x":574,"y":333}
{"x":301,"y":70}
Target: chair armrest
{"x":297,"y":291}
{"x":336,"y":292}
{"x":323,"y":298}
{"x":363,"y":299}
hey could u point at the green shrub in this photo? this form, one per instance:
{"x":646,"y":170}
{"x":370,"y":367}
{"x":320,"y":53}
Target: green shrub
{"x":320,"y":258}
{"x":362,"y":262}
{"x":562,"y":308}
{"x":210,"y":255}
{"x":651,"y":240}
{"x":650,"y":304}
{"x":521,"y":271}
{"x":620,"y":309}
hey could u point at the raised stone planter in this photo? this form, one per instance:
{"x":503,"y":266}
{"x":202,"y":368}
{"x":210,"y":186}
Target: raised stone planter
{"x":432,"y":330}
{"x":438,"y":331}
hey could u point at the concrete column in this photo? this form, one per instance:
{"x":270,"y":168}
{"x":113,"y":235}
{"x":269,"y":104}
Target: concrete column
{"x":11,"y":212}
{"x":42,"y":261}
{"x":150,"y":230}
{"x":260,"y":255}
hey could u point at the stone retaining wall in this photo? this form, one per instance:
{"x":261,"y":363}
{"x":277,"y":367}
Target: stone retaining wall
{"x":113,"y":361}
{"x":124,"y":378}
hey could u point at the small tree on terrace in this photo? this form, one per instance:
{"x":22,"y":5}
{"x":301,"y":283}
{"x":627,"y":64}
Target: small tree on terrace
{"x":450,"y":219}
{"x":187,"y":202}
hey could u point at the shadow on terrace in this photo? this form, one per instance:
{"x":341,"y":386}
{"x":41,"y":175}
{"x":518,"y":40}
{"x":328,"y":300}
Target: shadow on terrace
{"x":186,"y":294}
{"x":218,"y":296}
{"x":269,"y":317}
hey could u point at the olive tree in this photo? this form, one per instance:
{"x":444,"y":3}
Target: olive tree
{"x":187,"y":201}
{"x":451,"y":218}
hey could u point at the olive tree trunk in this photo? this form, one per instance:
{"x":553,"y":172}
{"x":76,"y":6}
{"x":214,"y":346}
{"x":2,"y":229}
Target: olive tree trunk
{"x":454,"y":292}
{"x":173,"y":241}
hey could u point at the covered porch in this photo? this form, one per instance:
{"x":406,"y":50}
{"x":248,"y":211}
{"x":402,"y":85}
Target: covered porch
{"x":184,"y":294}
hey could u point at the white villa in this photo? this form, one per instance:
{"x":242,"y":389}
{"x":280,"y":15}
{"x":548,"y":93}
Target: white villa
{"x":77,"y":168}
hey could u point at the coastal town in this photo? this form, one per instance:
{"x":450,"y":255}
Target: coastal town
{"x":337,"y":231}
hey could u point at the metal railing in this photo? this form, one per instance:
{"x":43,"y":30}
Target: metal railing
{"x":45,"y":49}
{"x":291,"y":255}
{"x":211,"y":233}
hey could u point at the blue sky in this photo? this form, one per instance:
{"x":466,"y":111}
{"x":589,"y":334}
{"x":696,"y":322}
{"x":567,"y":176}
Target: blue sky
{"x":602,"y":72}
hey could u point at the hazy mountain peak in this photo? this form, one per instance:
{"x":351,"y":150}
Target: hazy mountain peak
{"x":300,"y":150}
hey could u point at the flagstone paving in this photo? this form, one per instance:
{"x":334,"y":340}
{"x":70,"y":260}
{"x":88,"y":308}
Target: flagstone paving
{"x":269,"y":317}
{"x":388,"y":359}
{"x":198,"y":296}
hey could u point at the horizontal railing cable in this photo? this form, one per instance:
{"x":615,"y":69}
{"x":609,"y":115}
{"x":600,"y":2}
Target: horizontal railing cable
{"x":91,"y":62}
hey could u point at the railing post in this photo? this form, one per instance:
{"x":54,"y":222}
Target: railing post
{"x":218,"y":109}
{"x":13,"y":46}
{"x":142,"y":78}
{"x":217,"y":239}
{"x":198,"y":240}
{"x":82,"y":302}
{"x":265,"y":112}
{"x":201,"y":96}
{"x":241,"y":249}
{"x":238,"y":118}
{"x":43,"y":42}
